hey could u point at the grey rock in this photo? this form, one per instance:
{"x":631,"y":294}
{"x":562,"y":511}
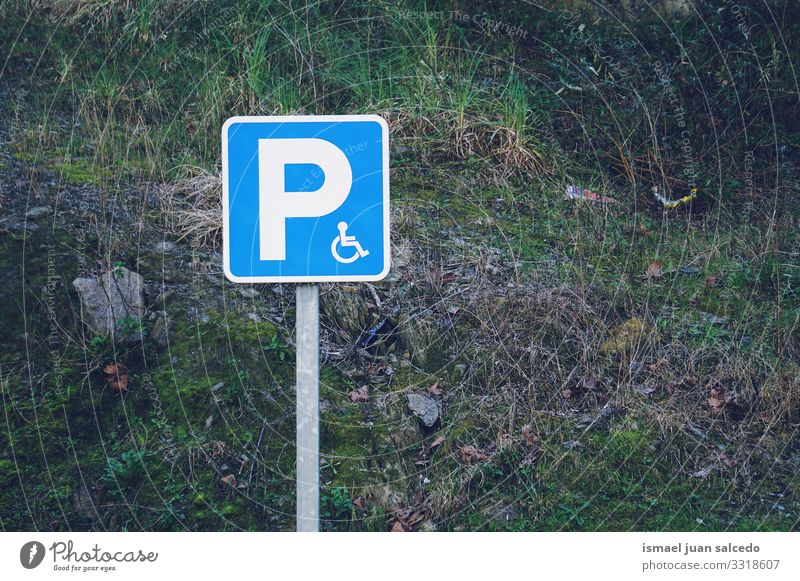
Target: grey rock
{"x":417,"y":335}
{"x":82,"y":503}
{"x":346,"y":310}
{"x":424,"y":408}
{"x":162,"y":332}
{"x":13,"y":225}
{"x":38,"y":212}
{"x":108,"y":299}
{"x":162,"y":298}
{"x":713,"y":319}
{"x":248,"y":292}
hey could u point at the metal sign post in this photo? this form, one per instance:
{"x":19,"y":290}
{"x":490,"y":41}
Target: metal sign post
{"x":305,"y":199}
{"x":307,"y":330}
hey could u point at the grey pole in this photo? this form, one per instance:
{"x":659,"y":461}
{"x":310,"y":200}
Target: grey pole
{"x":307,"y":330}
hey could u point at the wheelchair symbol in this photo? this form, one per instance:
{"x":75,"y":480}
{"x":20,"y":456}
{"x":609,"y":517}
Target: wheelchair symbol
{"x":344,"y":240}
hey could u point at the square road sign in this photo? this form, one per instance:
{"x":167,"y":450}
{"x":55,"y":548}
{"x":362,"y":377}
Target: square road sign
{"x":305,"y":198}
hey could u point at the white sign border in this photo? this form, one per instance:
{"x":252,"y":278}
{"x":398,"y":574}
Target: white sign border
{"x":387,"y":255}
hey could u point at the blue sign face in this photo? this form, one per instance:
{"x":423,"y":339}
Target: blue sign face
{"x":305,"y":198}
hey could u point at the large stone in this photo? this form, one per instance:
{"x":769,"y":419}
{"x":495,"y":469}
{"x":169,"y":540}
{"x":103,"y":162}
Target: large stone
{"x":83,"y":504}
{"x":417,"y":335}
{"x":38,"y":212}
{"x":162,"y":332}
{"x":424,"y":408}
{"x":111,"y":302}
{"x":346,"y":310}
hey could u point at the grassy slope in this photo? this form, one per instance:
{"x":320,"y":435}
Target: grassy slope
{"x":491,"y":126}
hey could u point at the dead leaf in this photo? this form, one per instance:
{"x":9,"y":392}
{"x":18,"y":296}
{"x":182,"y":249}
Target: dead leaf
{"x":530,"y":437}
{"x":397,"y":527}
{"x":435,"y":390}
{"x":567,"y":393}
{"x":654,"y":270}
{"x":711,"y":280}
{"x":415,"y":518}
{"x":590,"y":382}
{"x":359,"y":395}
{"x":115,"y":369}
{"x":359,"y":502}
{"x":116,"y":376}
{"x":470,"y":454}
{"x":718,"y":399}
{"x":120,"y":384}
{"x":230,"y":480}
{"x":437,"y":442}
{"x":381,"y":368}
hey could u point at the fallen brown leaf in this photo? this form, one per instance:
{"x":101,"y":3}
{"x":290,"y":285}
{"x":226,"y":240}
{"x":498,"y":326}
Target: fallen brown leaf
{"x":359,"y":395}
{"x":116,"y":376}
{"x":718,"y":399}
{"x":470,"y":454}
{"x":119,"y":384}
{"x":590,"y":382}
{"x":115,"y":369}
{"x":529,"y":436}
{"x":435,"y":390}
{"x":654,"y":270}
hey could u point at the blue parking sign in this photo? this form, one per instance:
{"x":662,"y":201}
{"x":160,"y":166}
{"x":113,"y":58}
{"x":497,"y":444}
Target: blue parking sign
{"x":305,"y":198}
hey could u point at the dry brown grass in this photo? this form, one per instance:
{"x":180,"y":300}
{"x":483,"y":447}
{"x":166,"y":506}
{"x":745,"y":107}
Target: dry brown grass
{"x":193,"y":207}
{"x":450,"y":135}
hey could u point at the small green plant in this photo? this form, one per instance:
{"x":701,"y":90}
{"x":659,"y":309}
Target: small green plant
{"x":336,"y":504}
{"x":127,"y":470}
{"x":118,"y":268}
{"x":98,"y":343}
{"x":129,"y":326}
{"x":280,"y":348}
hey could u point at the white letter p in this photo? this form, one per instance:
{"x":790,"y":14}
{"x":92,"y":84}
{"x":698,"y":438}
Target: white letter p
{"x":275,"y":204}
